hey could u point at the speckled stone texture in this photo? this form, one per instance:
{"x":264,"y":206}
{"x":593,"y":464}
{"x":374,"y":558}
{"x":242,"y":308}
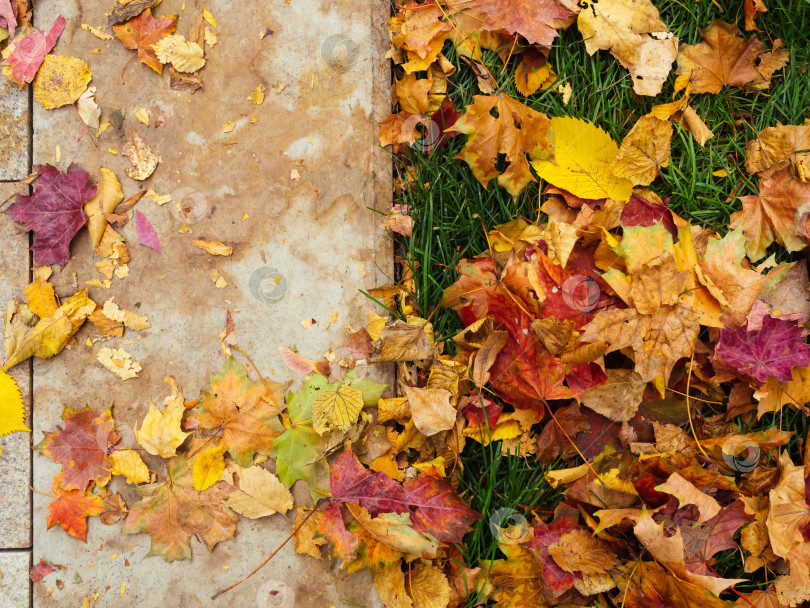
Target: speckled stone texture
{"x":15,"y":590}
{"x":15,"y":464}
{"x":15,"y":146}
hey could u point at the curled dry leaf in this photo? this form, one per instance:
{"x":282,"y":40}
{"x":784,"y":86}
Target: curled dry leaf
{"x":119,"y":362}
{"x":141,"y":155}
{"x":107,"y":197}
{"x":131,"y":320}
{"x":634,"y":34}
{"x":213,"y":247}
{"x":402,"y":342}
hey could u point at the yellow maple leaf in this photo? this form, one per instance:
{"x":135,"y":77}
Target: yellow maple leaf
{"x":208,"y":468}
{"x":61,"y":81}
{"x":129,"y":464}
{"x":644,"y":150}
{"x":160,"y":433}
{"x":583,"y":161}
{"x":12,"y":406}
{"x":337,"y":409}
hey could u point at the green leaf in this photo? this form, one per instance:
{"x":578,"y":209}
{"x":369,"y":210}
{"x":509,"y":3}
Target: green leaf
{"x":12,"y":406}
{"x":299,"y":450}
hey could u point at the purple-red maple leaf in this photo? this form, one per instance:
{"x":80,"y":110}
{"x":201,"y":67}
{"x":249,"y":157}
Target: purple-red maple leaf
{"x":54,"y":211}
{"x":433,"y":506}
{"x":701,"y":542}
{"x":29,"y":52}
{"x":772,"y":350}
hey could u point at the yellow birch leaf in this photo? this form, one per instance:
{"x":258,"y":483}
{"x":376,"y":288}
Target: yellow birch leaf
{"x":61,"y":81}
{"x":427,"y":587}
{"x":184,"y":55}
{"x":12,"y":406}
{"x":583,"y":161}
{"x":105,"y":201}
{"x":337,"y":409}
{"x":129,"y":464}
{"x":208,"y":468}
{"x":260,"y":494}
{"x":50,"y":334}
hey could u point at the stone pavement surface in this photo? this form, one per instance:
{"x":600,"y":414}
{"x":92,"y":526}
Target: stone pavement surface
{"x":318,"y":231}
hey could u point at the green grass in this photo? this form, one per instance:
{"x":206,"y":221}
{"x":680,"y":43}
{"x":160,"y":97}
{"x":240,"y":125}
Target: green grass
{"x":451,"y":210}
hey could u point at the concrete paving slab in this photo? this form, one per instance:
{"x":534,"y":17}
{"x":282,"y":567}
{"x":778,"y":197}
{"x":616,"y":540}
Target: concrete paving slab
{"x":15,"y":464}
{"x":292,"y":192}
{"x":15,"y":586}
{"x":14,"y":131}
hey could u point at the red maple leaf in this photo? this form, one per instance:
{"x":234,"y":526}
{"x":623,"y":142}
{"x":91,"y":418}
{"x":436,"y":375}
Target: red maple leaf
{"x":54,"y":211}
{"x":81,"y":448}
{"x":700,"y":543}
{"x":437,"y":510}
{"x":351,"y":482}
{"x":141,"y":32}
{"x":773,"y":350}
{"x":524,"y":373}
{"x":72,"y":508}
{"x":640,"y":212}
{"x":556,"y":578}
